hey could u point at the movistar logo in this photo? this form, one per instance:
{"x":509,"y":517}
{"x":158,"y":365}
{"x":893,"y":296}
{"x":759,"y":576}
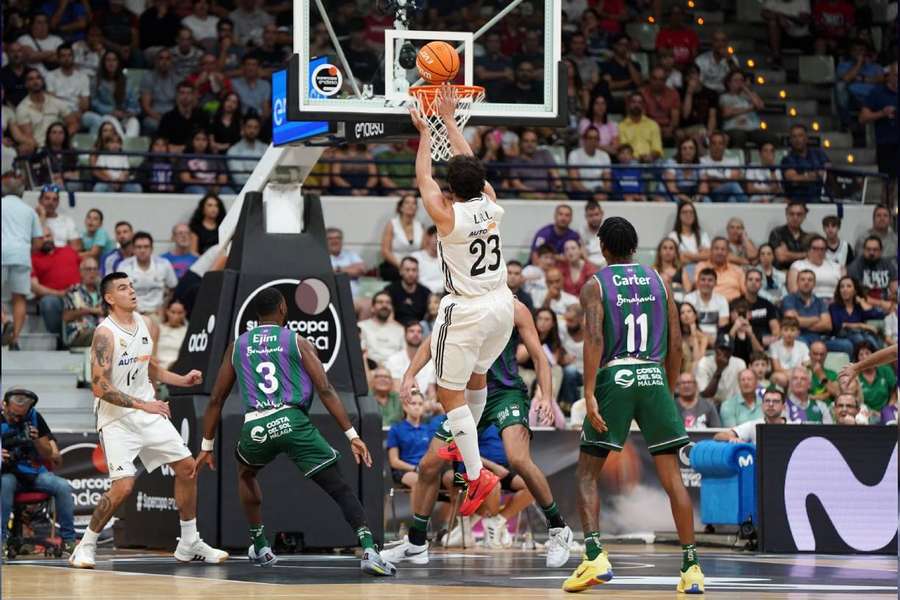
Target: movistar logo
{"x":624,"y":379}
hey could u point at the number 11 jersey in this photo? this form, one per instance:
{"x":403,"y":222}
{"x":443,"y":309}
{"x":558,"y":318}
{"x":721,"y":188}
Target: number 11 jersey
{"x":269,"y":369}
{"x":472,"y":254}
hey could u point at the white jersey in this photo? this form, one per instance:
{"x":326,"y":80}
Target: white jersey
{"x":130,"y":368}
{"x":472,"y":254}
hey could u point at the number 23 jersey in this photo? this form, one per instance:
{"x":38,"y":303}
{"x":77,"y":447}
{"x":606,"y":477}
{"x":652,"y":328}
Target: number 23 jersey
{"x":472,"y":254}
{"x":269,"y":369}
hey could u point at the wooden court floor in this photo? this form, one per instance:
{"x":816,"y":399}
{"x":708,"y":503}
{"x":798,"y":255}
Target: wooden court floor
{"x":642,"y":572}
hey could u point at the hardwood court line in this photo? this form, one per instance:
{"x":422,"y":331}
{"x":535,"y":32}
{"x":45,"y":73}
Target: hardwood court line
{"x":849,"y":562}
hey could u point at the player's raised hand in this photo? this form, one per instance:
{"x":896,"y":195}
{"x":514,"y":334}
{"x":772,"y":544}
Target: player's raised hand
{"x":593,"y":414}
{"x":407,"y":387}
{"x":203,"y":458}
{"x":417,"y":120}
{"x":446,"y":103}
{"x":194,"y":377}
{"x":156,"y":407}
{"x":361,"y":452}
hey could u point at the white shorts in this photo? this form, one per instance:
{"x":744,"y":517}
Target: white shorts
{"x":16,"y":279}
{"x":151,"y":437}
{"x":469,"y":334}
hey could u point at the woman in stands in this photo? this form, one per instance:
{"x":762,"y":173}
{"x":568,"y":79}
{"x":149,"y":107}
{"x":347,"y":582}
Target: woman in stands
{"x":576,"y":271}
{"x":112,"y":169}
{"x":693,"y":341}
{"x":491,"y":153}
{"x":598,"y":117}
{"x":434,"y":303}
{"x":668,"y":265}
{"x":878,"y":384}
{"x":578,"y":96}
{"x":738,"y":106}
{"x":849,"y":313}
{"x":199,"y":174}
{"x":204,"y":223}
{"x":157,"y":173}
{"x":693,"y":243}
{"x":828,"y":273}
{"x":545,"y":321}
{"x":401,"y":237}
{"x":63,"y":164}
{"x":171,"y":334}
{"x":225,"y":129}
{"x":773,"y":288}
{"x":685,"y":185}
{"x":112,"y":100}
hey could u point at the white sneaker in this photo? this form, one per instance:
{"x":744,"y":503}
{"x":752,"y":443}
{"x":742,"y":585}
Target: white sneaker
{"x":263,"y":558}
{"x":199,"y":551}
{"x":404,"y":551}
{"x":506,"y":540}
{"x":493,"y":531}
{"x":558,"y":546}
{"x":83,"y":557}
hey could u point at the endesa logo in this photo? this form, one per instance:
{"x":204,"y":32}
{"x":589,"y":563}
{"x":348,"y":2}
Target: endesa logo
{"x":198,"y":342}
{"x":310,"y":313}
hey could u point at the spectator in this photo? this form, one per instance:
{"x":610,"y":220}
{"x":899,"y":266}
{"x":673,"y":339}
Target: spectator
{"x":382,"y":390}
{"x":249,"y":145}
{"x":95,"y":242}
{"x":668,"y":264}
{"x":699,"y":107}
{"x":773,"y":414}
{"x":881,"y":228}
{"x":685,"y":184}
{"x":764,"y":183}
{"x":153,"y":277}
{"x":111,"y":168}
{"x":572,"y":338}
{"x":253,"y":91}
{"x":186,"y":56}
{"x":533,"y":49}
{"x":89,"y":51}
{"x":156,"y":172}
{"x":763,"y":315}
{"x":788,"y":352}
{"x":39,"y":110}
{"x":576,"y":271}
{"x":717,"y":375}
{"x":620,"y":72}
{"x":639,"y":131}
{"x":739,"y":106}
{"x":588,"y":177}
{"x":789,"y":242}
{"x":729,"y":277}
{"x":398,"y":172}
{"x":837,"y":250}
{"x":249,"y":20}
{"x":12,"y":74}
{"x":546,"y":323}
{"x":525,"y":89}
{"x":120,"y":31}
{"x":109,"y":262}
{"x":172,"y":331}
{"x":846,"y":410}
{"x":494,"y":70}
{"x":493,"y":156}
{"x":201,"y":23}
{"x":158,"y":27}
{"x":39,"y":45}
{"x":82,"y":307}
{"x":774,"y":288}
{"x":354,"y":172}
{"x":344,"y":261}
{"x":204,"y":223}
{"x":663,"y":104}
{"x":381,"y":335}
{"x":850,"y":311}
{"x":746,"y":342}
{"x":741,"y":249}
{"x":627,"y":177}
{"x":54,"y":269}
{"x":890,"y":323}
{"x":112,"y":99}
{"x":158,"y":90}
{"x":762,"y":367}
{"x":588,"y":68}
{"x":179,"y":124}
{"x":855,"y":78}
{"x":824,"y":384}
{"x":21,"y":234}
{"x":181,"y":256}
{"x":25,"y":471}
{"x":827,"y":273}
{"x":804,"y":167}
{"x":68,"y":18}
{"x":877,"y":275}
{"x":556,"y":234}
{"x":679,"y":37}
{"x":68,"y":83}
{"x":226,"y":126}
{"x":810,"y":311}
{"x":598,"y":118}
{"x":402,"y":236}
{"x":408,"y":296}
{"x":722,"y":174}
{"x":211,"y":84}
{"x":696,"y":412}
{"x":880,"y":108}
{"x":790,"y":18}
{"x":878,"y":384}
{"x":399,"y":362}
{"x":833,"y":22}
{"x":801,"y":408}
{"x":716,"y":63}
{"x":434,"y":304}
{"x":693,"y":243}
{"x":61,"y":163}
{"x":408,"y":441}
{"x":199,"y":173}
{"x":515,"y":281}
{"x":711,"y":306}
{"x":593,"y":218}
{"x":693,"y":341}
{"x":431,"y":273}
{"x":62,"y":227}
{"x":226,"y":49}
{"x":554,"y":297}
{"x":746,"y":405}
{"x":538,"y":177}
{"x":272,"y":55}
{"x":666,"y":59}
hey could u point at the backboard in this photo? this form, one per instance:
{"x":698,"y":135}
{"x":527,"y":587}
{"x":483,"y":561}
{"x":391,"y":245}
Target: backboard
{"x":511,"y":48}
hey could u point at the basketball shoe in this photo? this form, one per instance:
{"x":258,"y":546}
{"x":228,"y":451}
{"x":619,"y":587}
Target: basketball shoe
{"x":264,"y":558}
{"x":478,"y":489}
{"x":691,"y":581}
{"x":198,"y":550}
{"x":84,"y":556}
{"x":373,"y":564}
{"x":405,"y":551}
{"x":589,"y":573}
{"x":558,"y":546}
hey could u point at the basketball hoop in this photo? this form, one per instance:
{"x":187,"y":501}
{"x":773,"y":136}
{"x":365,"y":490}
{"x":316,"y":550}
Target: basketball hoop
{"x":425,"y":97}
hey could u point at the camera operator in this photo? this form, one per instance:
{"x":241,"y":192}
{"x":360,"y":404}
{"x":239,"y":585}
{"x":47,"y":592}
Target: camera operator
{"x":28,"y":445}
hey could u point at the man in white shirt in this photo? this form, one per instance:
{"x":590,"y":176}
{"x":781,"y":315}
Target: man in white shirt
{"x":381,"y":334}
{"x":712,"y":308}
{"x":39,"y":110}
{"x":723,"y":177}
{"x":715,"y":64}
{"x":249,"y":145}
{"x":593,"y":217}
{"x":801,"y":407}
{"x":717,"y":375}
{"x":62,"y":226}
{"x":773,"y":414}
{"x":153,"y":277}
{"x":398,"y":363}
{"x":535,"y":274}
{"x":554,"y":297}
{"x":39,"y":44}
{"x":68,"y":83}
{"x":430,"y":272}
{"x":837,"y":250}
{"x":790,"y":17}
{"x":588,"y":176}
{"x":342,"y":260}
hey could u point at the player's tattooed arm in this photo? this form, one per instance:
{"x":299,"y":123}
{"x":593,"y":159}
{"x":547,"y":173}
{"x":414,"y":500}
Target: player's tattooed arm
{"x":101,"y":372}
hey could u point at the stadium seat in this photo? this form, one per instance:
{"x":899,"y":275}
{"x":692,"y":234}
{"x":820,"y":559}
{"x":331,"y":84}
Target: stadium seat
{"x":804,"y":108}
{"x":83,"y":142}
{"x":644,"y":33}
{"x":836,"y":139}
{"x":835,"y":361}
{"x":136,"y":144}
{"x":816,"y":69}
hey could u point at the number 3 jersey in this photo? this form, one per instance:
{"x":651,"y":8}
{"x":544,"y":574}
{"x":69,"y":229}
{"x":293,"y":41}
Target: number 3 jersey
{"x":130,"y":375}
{"x":472,"y":254}
{"x":635,"y":313}
{"x":269,"y":370}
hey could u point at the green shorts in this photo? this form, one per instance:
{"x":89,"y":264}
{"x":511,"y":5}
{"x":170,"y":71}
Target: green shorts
{"x":287,"y":431}
{"x":639,"y":392}
{"x":504,"y":408}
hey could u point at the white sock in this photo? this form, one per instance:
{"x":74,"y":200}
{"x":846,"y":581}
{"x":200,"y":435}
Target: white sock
{"x":465,"y":434}
{"x":89,"y":536}
{"x":477,"y":400}
{"x":189,"y":531}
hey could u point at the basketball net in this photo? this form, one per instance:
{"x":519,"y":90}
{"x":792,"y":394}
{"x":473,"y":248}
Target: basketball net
{"x":425,"y":97}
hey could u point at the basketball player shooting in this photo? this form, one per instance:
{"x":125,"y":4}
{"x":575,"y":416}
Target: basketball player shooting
{"x":132,"y":423}
{"x":475,"y":318}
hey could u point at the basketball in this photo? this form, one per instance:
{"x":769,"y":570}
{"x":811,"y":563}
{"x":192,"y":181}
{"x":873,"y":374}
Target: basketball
{"x":437,"y":62}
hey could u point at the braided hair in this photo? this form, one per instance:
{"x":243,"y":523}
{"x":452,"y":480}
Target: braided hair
{"x":618,"y":237}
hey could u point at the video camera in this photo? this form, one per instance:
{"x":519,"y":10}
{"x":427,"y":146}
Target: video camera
{"x":16,"y":439}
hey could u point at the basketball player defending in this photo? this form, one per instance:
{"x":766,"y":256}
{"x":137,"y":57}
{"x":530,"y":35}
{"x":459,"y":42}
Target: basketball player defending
{"x":133,"y":424}
{"x":475,"y":318}
{"x":631,"y":347}
{"x":507,"y":409}
{"x":276,"y":370}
